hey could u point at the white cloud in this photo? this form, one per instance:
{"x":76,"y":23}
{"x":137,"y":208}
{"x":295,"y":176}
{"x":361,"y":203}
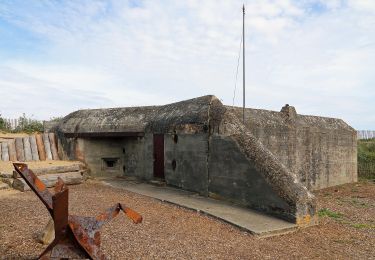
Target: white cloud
{"x":363,"y":5}
{"x":161,"y":51}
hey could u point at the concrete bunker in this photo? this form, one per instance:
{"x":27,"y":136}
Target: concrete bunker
{"x":201,"y":145}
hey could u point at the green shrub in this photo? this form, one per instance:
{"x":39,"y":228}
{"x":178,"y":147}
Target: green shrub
{"x":366,"y":158}
{"x":2,"y":123}
{"x":28,"y":125}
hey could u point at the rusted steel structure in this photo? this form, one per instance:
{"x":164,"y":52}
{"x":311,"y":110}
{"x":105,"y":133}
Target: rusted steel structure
{"x":76,"y":237}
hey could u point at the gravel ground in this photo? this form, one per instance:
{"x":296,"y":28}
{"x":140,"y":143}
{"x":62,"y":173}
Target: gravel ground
{"x":170,"y":232}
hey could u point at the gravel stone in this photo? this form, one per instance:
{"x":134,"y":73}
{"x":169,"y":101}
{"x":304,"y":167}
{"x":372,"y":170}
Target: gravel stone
{"x":171,"y":232}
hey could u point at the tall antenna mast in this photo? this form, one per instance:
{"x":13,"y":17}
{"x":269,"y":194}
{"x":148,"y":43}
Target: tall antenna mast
{"x":243,"y":61}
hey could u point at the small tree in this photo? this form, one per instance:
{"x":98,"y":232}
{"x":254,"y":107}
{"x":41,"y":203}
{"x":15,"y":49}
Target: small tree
{"x":28,"y":125}
{"x":3,"y":124}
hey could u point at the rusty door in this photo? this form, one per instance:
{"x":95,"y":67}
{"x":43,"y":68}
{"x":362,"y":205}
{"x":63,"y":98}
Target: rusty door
{"x":159,"y":156}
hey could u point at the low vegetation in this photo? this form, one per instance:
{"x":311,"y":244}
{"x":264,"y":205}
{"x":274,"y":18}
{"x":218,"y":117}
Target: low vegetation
{"x":329,"y":213}
{"x":363,"y":225}
{"x":25,"y":125}
{"x":366,"y":158}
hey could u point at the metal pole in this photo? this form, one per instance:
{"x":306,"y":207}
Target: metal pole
{"x":243,"y":59}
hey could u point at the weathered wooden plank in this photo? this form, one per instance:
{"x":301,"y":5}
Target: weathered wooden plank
{"x":19,"y":149}
{"x":52,"y":141}
{"x":50,"y":180}
{"x":52,"y":169}
{"x":40,"y":146}
{"x":4,"y":152}
{"x":34,"y":148}
{"x":12,"y":150}
{"x":27,"y":148}
{"x":47,"y":146}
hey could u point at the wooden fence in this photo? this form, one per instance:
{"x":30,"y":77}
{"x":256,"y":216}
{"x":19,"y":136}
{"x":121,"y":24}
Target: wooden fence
{"x":365,"y":134}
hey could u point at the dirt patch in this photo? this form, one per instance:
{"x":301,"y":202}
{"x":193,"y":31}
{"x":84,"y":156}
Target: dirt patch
{"x":170,"y":232}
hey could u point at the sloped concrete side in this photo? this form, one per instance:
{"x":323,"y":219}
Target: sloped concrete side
{"x":321,"y":151}
{"x":284,"y":182}
{"x":232,"y":177}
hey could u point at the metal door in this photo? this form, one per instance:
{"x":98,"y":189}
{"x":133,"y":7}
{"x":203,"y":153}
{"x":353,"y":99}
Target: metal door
{"x":159,"y":156}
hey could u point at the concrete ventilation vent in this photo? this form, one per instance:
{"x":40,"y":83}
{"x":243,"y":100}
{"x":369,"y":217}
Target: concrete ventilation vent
{"x":110,"y":164}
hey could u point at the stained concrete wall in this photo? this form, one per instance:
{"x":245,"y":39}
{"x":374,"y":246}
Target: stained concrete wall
{"x":264,"y":164}
{"x":321,"y":151}
{"x":320,"y":158}
{"x":233,"y":177}
{"x":132,"y":153}
{"x":186,"y":158}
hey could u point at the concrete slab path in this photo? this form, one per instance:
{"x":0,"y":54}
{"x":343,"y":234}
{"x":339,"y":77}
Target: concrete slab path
{"x":250,"y":220}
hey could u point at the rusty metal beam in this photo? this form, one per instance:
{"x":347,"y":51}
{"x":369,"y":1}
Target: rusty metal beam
{"x":76,"y":237}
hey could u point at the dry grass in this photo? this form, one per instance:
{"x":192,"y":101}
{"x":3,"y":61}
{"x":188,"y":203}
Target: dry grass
{"x":170,"y":232}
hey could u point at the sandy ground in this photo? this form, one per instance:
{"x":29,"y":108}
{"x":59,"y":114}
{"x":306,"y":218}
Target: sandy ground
{"x":170,"y":232}
{"x":8,"y":166}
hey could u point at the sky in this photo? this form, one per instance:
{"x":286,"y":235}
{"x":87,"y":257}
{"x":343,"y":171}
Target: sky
{"x":60,"y":56}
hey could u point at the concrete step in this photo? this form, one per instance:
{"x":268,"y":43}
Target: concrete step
{"x":158,"y":182}
{"x":50,"y":180}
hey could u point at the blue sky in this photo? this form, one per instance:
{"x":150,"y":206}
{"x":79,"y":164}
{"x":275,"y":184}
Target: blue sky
{"x":60,"y":56}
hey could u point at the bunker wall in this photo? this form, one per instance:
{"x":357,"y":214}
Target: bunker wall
{"x":233,"y":177}
{"x":112,"y":157}
{"x":321,"y":158}
{"x":186,"y":161}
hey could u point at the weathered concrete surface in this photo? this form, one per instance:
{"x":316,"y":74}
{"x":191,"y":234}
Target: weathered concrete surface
{"x":133,"y":156}
{"x":47,"y":146}
{"x":27,"y":148}
{"x":5,"y":174}
{"x":4,"y":152}
{"x":322,"y":151}
{"x":52,"y":140}
{"x":8,"y":181}
{"x":301,"y":203}
{"x":34,"y":148}
{"x":249,"y":220}
{"x":3,"y":186}
{"x":180,"y":151}
{"x":234,"y":178}
{"x":19,"y":149}
{"x":40,"y":146}
{"x":158,"y":119}
{"x":50,"y":180}
{"x":207,"y":149}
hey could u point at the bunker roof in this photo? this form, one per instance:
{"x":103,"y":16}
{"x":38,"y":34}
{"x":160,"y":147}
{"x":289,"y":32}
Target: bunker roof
{"x":135,"y":121}
{"x":269,"y":118}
